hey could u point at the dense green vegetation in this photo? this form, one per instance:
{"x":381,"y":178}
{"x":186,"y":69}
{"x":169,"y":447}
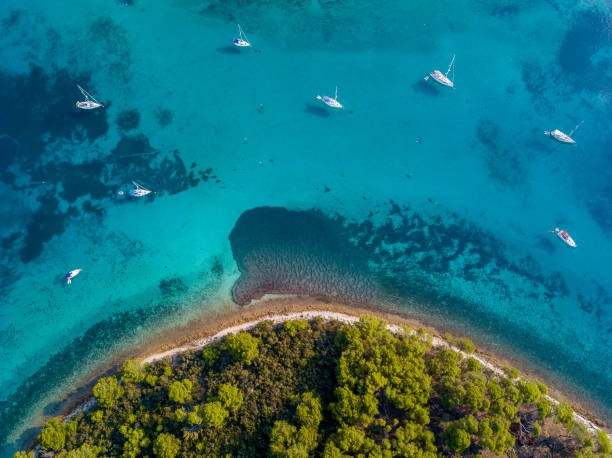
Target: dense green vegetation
{"x":320,"y":389}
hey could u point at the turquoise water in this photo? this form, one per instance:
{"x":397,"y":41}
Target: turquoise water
{"x":446,"y":193}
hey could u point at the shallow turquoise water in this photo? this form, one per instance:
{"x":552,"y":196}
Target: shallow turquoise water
{"x":449,"y":193}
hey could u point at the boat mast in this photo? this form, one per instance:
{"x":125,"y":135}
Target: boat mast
{"x":450,"y":66}
{"x":336,"y":97}
{"x":242,"y":34}
{"x":576,"y":128}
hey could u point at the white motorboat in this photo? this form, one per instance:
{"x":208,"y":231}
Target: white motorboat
{"x":89,"y":103}
{"x":140,"y":190}
{"x":563,"y":235}
{"x":443,"y":78}
{"x":70,"y":275}
{"x":242,"y":41}
{"x":329,"y":101}
{"x":562,"y":137}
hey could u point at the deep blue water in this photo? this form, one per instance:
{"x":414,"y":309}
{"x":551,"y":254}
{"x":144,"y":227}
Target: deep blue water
{"x":421,"y":198}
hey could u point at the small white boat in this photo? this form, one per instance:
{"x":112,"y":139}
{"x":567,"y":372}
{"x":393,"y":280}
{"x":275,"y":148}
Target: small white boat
{"x":563,"y":235}
{"x":89,"y":103}
{"x":70,"y":275}
{"x":560,"y":136}
{"x":331,"y":102}
{"x":242,"y":41}
{"x":140,"y":190}
{"x":443,"y":78}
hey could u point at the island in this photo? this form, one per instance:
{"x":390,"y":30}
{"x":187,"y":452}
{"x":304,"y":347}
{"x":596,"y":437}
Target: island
{"x":321,"y":387}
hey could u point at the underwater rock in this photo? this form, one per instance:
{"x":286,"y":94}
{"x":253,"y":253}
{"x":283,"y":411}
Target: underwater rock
{"x":128,"y":119}
{"x":297,"y":252}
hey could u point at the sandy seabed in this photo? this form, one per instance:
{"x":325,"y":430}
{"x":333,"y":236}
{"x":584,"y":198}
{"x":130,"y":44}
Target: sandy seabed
{"x":278,"y":308}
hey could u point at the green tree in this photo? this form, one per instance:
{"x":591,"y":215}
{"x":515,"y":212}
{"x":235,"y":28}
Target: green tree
{"x":243,"y":347}
{"x":411,"y":439}
{"x":53,"y":435}
{"x":444,"y":365}
{"x":308,"y":411}
{"x":603,"y":443}
{"x":283,"y":441}
{"x":565,"y":414}
{"x":133,"y":438}
{"x":350,"y":439}
{"x":84,"y":451}
{"x":213,"y":414}
{"x":293,"y":327}
{"x":180,"y":414}
{"x":230,"y":396}
{"x":456,"y":438}
{"x":494,"y":434}
{"x":473,"y":365}
{"x":179,"y":391}
{"x":529,"y":391}
{"x":166,"y":446}
{"x":194,"y":418}
{"x":132,"y":370}
{"x":107,"y":391}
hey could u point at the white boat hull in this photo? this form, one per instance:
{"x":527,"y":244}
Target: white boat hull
{"x":139,"y":192}
{"x":88,"y":105}
{"x":330,"y":102}
{"x":73,"y":273}
{"x":441,"y":78}
{"x":561,"y":137}
{"x":240,"y":43}
{"x":563,"y":235}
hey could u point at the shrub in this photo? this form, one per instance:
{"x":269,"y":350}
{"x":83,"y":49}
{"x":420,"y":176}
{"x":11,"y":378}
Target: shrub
{"x":133,"y":371}
{"x":544,"y":408}
{"x":565,"y":414}
{"x":294,"y":326}
{"x":97,"y":416}
{"x":210,"y":354}
{"x":213,"y":414}
{"x":473,"y":365}
{"x":603,"y":443}
{"x":194,"y":419}
{"x":107,"y":391}
{"x":53,"y":435}
{"x":282,"y":438}
{"x":537,"y":429}
{"x":166,"y":446}
{"x":308,"y":411}
{"x":465,"y":345}
{"x":511,"y":372}
{"x":457,"y":439}
{"x":180,"y":415}
{"x":84,"y":451}
{"x":151,"y":379}
{"x":230,"y":396}
{"x":179,"y":391}
{"x":243,"y":347}
{"x":529,"y":391}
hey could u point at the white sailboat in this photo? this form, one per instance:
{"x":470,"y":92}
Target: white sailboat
{"x":331,"y":102}
{"x":140,"y":190}
{"x":242,"y":41}
{"x":89,"y":103}
{"x":563,"y":235}
{"x":560,"y":136}
{"x":443,"y":78}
